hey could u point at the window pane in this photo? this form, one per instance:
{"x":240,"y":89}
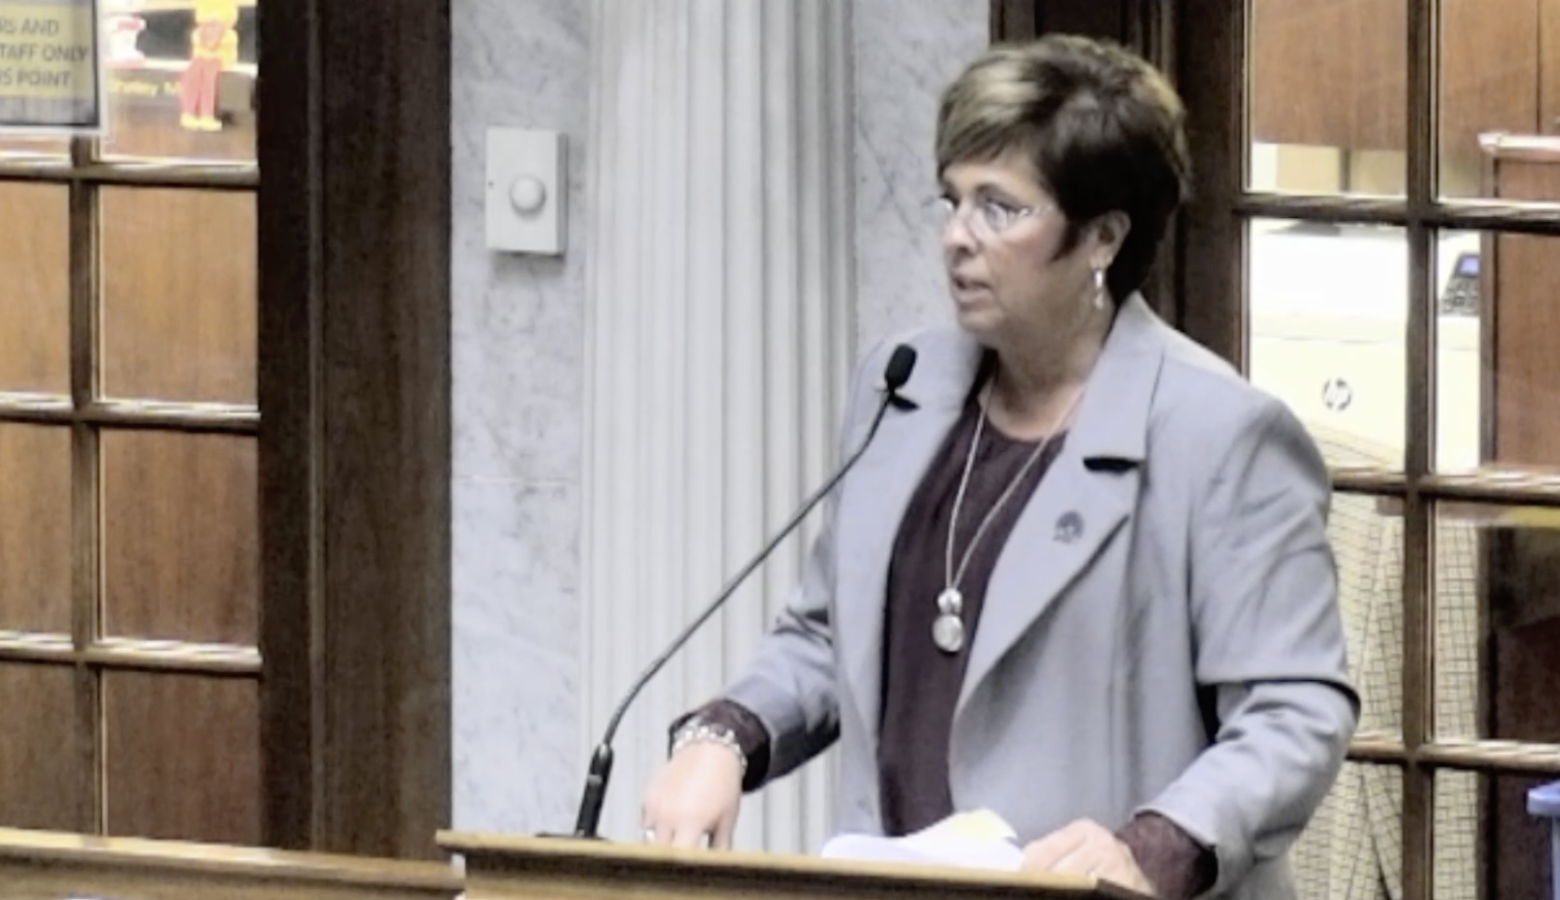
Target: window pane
{"x":164,"y":784}
{"x":1328,"y":311}
{"x":1498,"y":383}
{"x":1486,"y":843}
{"x":1327,"y":81}
{"x":1353,"y":847}
{"x":45,"y":773}
{"x":35,"y":548}
{"x":181,"y":549}
{"x":35,"y":292}
{"x":1497,"y":644}
{"x":179,"y":86}
{"x":179,"y":284}
{"x":1500,"y":70}
{"x":1366,"y":535}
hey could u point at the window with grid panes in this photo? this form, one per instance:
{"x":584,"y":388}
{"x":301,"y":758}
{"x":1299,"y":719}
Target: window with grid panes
{"x":129,"y":540}
{"x":1381,"y":248}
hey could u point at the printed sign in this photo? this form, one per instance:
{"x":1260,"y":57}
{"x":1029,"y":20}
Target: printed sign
{"x":50,"y":78}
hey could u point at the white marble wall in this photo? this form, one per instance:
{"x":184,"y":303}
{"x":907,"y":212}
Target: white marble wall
{"x":519,"y":336}
{"x":518,"y":399}
{"x":906,"y":51}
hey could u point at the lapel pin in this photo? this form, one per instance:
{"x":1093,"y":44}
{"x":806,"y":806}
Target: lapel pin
{"x":1069,"y":527}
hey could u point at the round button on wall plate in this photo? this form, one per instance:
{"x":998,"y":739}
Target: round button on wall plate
{"x":527,"y":195}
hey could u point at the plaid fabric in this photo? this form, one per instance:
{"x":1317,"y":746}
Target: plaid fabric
{"x":1352,"y":849}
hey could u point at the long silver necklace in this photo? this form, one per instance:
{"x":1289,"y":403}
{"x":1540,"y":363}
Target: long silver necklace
{"x":948,"y":630}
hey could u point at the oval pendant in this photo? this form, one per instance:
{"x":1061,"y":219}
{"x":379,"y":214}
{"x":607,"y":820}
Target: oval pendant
{"x":948,"y":633}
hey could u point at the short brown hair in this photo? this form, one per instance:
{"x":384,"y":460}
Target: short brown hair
{"x":1103,"y":129}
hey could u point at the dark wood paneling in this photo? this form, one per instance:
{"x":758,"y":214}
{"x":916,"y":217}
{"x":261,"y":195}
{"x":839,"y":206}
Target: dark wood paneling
{"x":1314,"y":65}
{"x":45,"y":778}
{"x":34,"y":299}
{"x":34,"y":530}
{"x":1210,"y":253}
{"x":1523,"y":566}
{"x":1525,"y":368}
{"x":1145,"y":26}
{"x":1013,"y":20}
{"x":355,"y":399}
{"x":1489,"y":81}
{"x":178,"y":316}
{"x":182,"y":757}
{"x":1333,"y":73}
{"x":290,"y":215}
{"x":1549,"y":63}
{"x":1293,"y":45}
{"x":386,"y":344}
{"x":1379,"y":73}
{"x":1103,"y":18}
{"x":180,"y":537}
{"x":1521,"y":870}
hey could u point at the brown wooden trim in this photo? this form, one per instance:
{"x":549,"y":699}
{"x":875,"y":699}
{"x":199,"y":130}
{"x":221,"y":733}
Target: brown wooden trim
{"x":129,"y":654}
{"x":207,"y":659}
{"x":1469,"y":215}
{"x":386,"y":340}
{"x":41,"y":863}
{"x":354,"y":218}
{"x":535,"y":868}
{"x":1368,"y":481}
{"x":207,"y":176}
{"x":1012,"y":20}
{"x":1536,"y":489}
{"x":290,"y":234}
{"x":217,"y":418}
{"x":1493,"y":757}
{"x":1418,"y":609}
{"x":1378,"y":750}
{"x":85,"y":539}
{"x":1212,"y":239}
{"x":1321,"y":208}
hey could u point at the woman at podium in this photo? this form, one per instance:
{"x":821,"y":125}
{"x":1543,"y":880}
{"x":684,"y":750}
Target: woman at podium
{"x":1081,"y":575}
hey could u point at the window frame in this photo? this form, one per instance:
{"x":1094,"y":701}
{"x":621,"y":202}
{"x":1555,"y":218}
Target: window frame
{"x":1207,"y":256}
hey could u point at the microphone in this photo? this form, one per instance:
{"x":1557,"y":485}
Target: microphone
{"x":895,"y":375}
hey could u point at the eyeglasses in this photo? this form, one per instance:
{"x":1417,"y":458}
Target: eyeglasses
{"x":992,"y":217}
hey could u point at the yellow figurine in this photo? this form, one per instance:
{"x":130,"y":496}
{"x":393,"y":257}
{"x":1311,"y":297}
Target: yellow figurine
{"x":214,"y":48}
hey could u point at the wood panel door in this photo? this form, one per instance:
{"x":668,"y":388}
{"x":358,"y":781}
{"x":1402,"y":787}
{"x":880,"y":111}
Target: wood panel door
{"x":1549,"y":66}
{"x":129,"y":446}
{"x":224,"y":607}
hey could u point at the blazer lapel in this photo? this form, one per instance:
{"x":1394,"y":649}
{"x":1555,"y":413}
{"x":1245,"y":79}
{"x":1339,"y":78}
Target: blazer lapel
{"x":1082,"y":501}
{"x":874,"y":500}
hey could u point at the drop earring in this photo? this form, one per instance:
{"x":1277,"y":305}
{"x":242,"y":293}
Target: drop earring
{"x":1099,"y":288}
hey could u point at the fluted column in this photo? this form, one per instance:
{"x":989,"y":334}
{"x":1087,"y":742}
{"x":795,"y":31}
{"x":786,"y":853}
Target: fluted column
{"x":717,"y":341}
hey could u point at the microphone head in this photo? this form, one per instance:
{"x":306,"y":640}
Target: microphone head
{"x":900,"y":364}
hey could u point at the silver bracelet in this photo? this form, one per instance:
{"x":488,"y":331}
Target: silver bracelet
{"x":697,"y":732}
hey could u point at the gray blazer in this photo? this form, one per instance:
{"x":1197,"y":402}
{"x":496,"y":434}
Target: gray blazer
{"x":1181,"y":651}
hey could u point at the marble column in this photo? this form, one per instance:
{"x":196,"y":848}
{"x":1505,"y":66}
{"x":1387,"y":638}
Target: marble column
{"x":718,"y":339}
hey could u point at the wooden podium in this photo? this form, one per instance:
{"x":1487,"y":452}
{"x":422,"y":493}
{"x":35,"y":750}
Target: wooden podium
{"x":43,"y":865}
{"x":519,"y":868}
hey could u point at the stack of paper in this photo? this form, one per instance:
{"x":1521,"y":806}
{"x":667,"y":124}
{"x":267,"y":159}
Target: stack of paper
{"x":978,"y":840}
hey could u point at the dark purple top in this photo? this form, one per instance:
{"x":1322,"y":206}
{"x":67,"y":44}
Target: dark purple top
{"x":921,"y":683}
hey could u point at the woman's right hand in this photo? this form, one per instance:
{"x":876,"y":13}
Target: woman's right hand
{"x":694,"y":797}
